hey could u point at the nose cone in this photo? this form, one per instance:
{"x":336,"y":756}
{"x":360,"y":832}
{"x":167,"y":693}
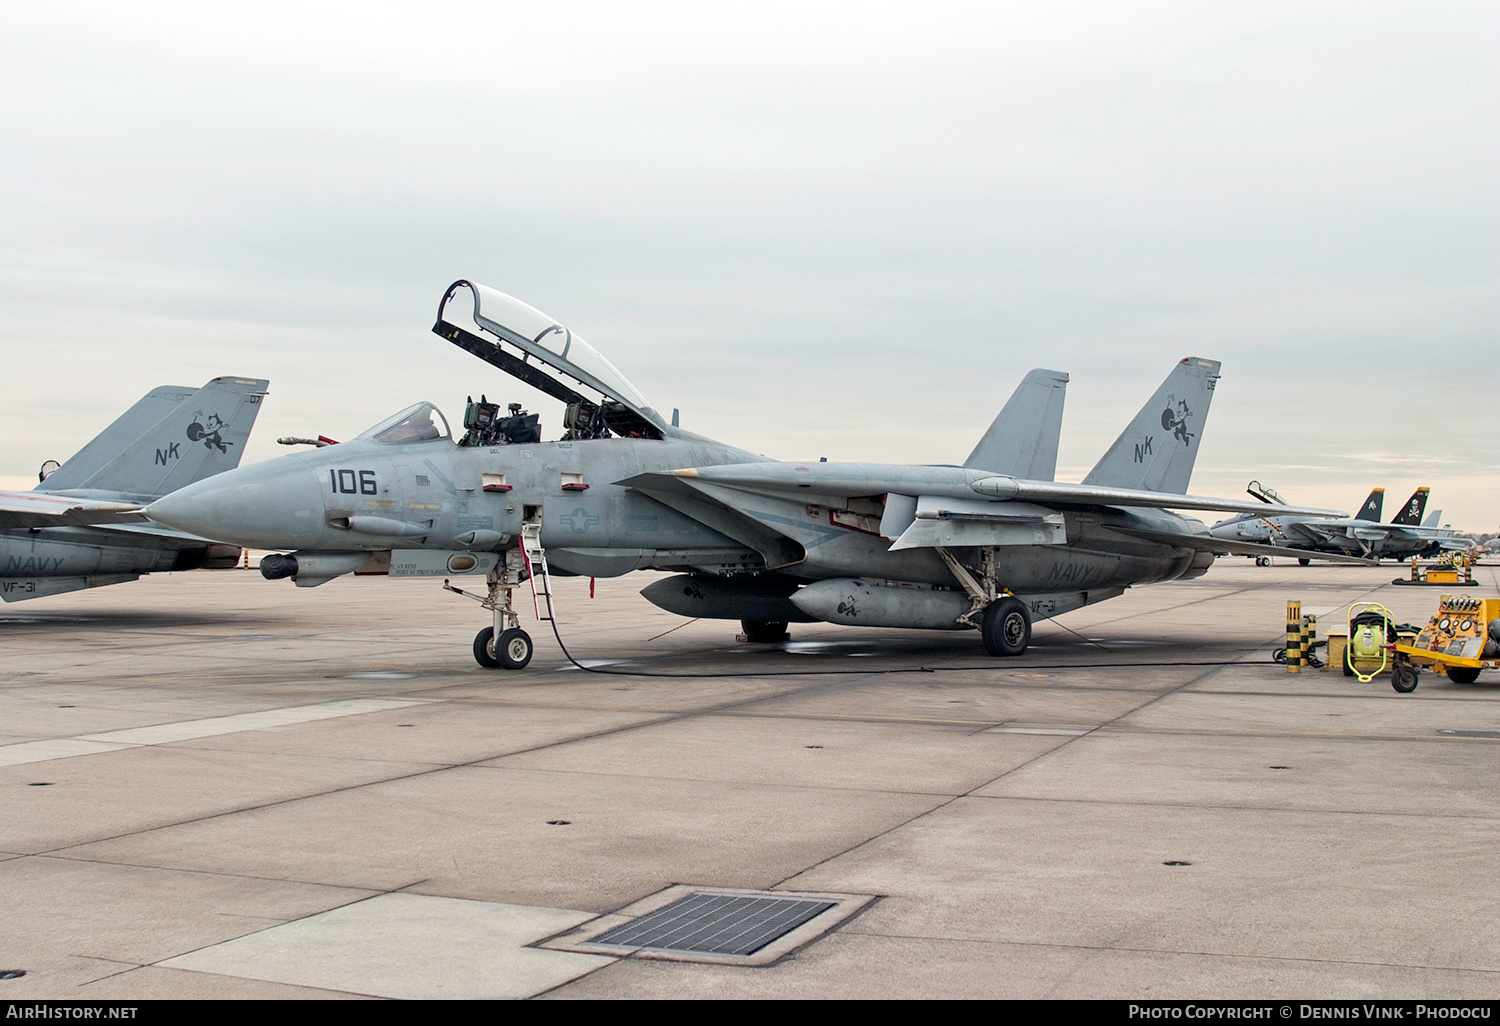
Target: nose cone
{"x":271,"y":505}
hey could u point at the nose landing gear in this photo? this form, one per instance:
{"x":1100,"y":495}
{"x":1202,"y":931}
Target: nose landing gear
{"x":504,"y":645}
{"x":511,"y":651}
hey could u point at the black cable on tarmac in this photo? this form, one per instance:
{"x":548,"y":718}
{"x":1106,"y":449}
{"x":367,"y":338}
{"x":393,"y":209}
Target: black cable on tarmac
{"x":552,"y":618}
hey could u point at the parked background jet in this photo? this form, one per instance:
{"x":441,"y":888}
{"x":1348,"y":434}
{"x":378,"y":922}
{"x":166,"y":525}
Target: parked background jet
{"x":1405,"y":536}
{"x":76,"y":528}
{"x":991,"y":544}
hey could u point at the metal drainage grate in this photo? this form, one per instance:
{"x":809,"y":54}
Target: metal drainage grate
{"x":1469,"y":733}
{"x":716,"y":924}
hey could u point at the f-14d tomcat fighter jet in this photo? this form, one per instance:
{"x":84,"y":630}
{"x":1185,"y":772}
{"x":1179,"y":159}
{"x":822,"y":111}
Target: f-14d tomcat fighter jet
{"x":992,"y":544}
{"x":79,"y":527}
{"x":1364,"y":535}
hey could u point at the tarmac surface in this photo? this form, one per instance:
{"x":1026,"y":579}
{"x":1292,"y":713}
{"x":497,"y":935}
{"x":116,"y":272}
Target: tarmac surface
{"x":216,"y":786}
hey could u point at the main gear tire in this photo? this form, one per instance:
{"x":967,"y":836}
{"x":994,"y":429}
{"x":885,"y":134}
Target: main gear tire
{"x":1005,"y":627}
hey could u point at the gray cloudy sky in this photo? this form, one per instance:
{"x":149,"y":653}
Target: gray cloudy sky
{"x":819,"y":229}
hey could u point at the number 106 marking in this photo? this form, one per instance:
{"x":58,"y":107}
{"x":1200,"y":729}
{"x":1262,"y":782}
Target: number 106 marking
{"x":345,"y":481}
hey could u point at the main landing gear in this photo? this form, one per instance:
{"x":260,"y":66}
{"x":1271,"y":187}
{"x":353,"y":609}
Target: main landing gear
{"x":1005,"y":627}
{"x":1003,"y":620}
{"x":764,"y":631}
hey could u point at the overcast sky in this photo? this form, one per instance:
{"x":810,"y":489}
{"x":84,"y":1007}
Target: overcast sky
{"x":841,"y":230}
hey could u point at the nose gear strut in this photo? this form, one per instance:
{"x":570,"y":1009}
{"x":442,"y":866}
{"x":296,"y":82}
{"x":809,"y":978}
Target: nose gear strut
{"x":505,"y":644}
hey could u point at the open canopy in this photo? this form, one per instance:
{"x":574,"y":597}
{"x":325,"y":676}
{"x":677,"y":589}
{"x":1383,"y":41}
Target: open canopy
{"x":542,"y":337}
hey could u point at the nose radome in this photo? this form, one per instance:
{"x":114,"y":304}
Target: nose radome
{"x":272,"y":505}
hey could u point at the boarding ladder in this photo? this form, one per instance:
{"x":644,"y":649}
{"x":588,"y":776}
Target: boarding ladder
{"x":536,"y":565}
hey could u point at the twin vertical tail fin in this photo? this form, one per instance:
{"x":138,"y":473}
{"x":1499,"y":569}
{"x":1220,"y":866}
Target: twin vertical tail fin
{"x":113,"y":440}
{"x":1022,"y":442}
{"x":170,"y":438}
{"x":1157,"y":451}
{"x":1411,"y":513}
{"x":1371,"y":509}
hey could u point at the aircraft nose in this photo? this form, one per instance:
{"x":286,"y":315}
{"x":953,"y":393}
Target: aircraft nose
{"x":273,"y":505}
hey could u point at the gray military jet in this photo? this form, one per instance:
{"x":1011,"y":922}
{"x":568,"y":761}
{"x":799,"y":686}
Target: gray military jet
{"x":992,"y":544}
{"x":1363,"y":535}
{"x":80,"y":526}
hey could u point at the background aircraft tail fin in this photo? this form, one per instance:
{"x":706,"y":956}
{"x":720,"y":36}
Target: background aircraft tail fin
{"x":1433,"y":518}
{"x":1371,"y":509}
{"x":200,"y":435}
{"x":113,"y":440}
{"x":1411,"y":513}
{"x":1022,"y":441}
{"x":1157,"y":451}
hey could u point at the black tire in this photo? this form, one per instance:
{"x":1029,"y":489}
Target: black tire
{"x":483,"y":652}
{"x":513,"y":650}
{"x":1463,"y":674}
{"x":1303,"y":561}
{"x":1006,"y":627}
{"x":1348,"y":664}
{"x":1403,"y":676}
{"x":764,"y":631}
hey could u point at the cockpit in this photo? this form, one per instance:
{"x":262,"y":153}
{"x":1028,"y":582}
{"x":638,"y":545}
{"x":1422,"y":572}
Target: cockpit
{"x":534,"y":348}
{"x":420,"y":423}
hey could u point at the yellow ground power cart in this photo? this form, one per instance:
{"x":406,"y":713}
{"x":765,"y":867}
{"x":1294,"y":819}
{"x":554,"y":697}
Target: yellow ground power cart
{"x":1450,"y":569}
{"x":1462,"y":638}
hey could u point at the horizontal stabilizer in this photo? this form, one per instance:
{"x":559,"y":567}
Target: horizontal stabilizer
{"x":1221,"y":546}
{"x":19,"y":589}
{"x":37,"y":509}
{"x":803,"y":480}
{"x":1085,"y":495}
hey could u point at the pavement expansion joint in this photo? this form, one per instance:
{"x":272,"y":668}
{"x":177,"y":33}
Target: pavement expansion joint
{"x":408,"y":946}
